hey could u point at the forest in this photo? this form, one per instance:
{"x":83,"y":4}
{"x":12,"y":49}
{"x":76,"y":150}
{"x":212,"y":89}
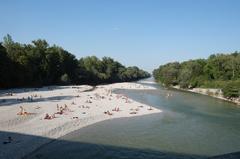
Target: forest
{"x":218,"y":71}
{"x":38,"y":64}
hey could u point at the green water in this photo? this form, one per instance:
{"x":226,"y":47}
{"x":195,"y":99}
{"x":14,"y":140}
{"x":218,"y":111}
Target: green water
{"x":192,"y":125}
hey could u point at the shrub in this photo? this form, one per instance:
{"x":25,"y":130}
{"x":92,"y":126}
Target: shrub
{"x":232,"y":89}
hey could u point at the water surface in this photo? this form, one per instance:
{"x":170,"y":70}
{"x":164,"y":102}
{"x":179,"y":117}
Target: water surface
{"x":192,"y":125}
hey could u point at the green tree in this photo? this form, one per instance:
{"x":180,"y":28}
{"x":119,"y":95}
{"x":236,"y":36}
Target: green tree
{"x":39,"y":64}
{"x":232,"y":89}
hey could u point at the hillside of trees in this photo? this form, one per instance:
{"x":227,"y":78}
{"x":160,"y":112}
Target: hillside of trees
{"x":218,"y":71}
{"x":38,"y":64}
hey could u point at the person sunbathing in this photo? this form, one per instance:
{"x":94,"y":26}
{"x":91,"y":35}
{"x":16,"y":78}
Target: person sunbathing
{"x":47,"y":116}
{"x":22,"y":111}
{"x":108,"y":113}
{"x":60,"y":111}
{"x":66,"y":107}
{"x":116,"y":109}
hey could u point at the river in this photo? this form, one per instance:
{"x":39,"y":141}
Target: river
{"x":190,"y":126}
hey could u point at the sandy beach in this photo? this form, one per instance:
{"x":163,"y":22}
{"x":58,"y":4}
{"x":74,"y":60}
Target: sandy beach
{"x":51,"y":112}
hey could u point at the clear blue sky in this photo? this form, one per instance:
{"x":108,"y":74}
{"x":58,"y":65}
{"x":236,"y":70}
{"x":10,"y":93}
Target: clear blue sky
{"x":145,"y":33}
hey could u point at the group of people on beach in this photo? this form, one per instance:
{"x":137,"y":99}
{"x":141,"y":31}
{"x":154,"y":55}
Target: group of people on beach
{"x":88,"y":101}
{"x":83,"y":106}
{"x":24,"y":99}
{"x":63,"y":109}
{"x":29,"y":98}
{"x":116,"y":109}
{"x":60,"y":111}
{"x":9,"y":94}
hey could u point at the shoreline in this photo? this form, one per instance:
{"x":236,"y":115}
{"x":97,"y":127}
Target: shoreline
{"x":215,"y":93}
{"x":87,"y":107}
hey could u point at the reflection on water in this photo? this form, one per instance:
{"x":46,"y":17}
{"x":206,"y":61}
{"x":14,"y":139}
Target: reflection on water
{"x":189,"y":124}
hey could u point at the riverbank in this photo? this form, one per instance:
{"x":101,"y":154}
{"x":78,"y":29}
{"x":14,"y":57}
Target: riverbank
{"x":52,"y":112}
{"x":216,"y":93}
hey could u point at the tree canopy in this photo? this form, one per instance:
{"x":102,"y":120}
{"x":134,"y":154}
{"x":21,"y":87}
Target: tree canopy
{"x":38,"y":64}
{"x":218,"y":71}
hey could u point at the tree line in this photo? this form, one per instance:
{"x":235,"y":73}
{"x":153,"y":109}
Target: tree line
{"x":38,"y":64}
{"x":218,"y":71}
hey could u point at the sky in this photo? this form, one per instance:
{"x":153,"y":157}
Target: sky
{"x":145,"y":33}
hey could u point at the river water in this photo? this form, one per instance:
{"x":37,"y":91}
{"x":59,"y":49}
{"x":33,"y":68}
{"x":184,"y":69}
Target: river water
{"x":190,"y":126}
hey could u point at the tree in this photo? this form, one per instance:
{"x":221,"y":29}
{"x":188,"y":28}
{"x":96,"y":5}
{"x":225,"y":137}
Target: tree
{"x":39,"y":64}
{"x":214,"y":72}
{"x":5,"y":65}
{"x":231,"y":90}
{"x":7,"y":42}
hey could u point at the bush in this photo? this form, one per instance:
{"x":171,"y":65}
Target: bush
{"x":183,"y":84}
{"x":232,"y":89}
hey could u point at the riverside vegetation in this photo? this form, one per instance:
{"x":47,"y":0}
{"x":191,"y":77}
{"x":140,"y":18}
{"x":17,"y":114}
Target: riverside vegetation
{"x":38,"y":64}
{"x":220,"y":71}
